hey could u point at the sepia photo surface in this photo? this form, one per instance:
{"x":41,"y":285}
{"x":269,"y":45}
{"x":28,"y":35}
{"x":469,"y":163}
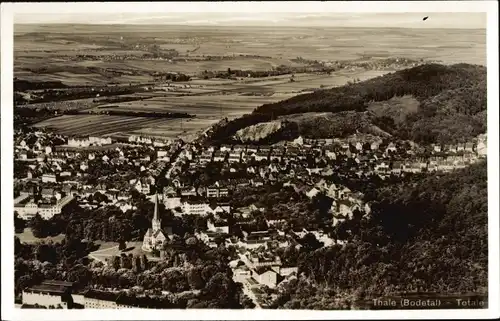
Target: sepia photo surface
{"x":249,"y":161}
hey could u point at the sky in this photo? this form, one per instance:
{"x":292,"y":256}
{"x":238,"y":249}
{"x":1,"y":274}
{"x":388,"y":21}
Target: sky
{"x":458,"y":20}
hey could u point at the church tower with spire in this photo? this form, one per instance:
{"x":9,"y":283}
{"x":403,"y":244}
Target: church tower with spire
{"x":156,"y":222}
{"x":155,"y":237}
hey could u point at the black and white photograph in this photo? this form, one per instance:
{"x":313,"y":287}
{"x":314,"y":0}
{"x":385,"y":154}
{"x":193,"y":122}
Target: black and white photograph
{"x":216,"y":157}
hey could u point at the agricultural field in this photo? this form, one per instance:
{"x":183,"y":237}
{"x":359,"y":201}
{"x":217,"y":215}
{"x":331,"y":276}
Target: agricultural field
{"x":49,"y":53}
{"x":96,"y":125}
{"x":124,"y":126}
{"x":215,"y":100}
{"x":202,"y":106}
{"x":187,"y":129}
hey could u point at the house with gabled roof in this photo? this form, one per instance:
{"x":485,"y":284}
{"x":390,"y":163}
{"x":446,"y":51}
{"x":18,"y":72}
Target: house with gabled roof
{"x":481,"y":147}
{"x":267,"y":276}
{"x":219,"y":156}
{"x":142,"y":185}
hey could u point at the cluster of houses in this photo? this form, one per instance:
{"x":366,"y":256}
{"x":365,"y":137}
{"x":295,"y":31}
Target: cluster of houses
{"x":89,"y":141}
{"x":149,"y":140}
{"x":61,"y":177}
{"x":43,"y":160}
{"x":46,"y":163}
{"x":314,"y":156}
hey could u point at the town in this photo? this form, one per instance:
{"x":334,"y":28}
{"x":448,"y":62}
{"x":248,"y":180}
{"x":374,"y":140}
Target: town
{"x":273,"y":161}
{"x":257,"y":201}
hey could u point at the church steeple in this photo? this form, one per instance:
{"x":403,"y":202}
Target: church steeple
{"x":155,"y":217}
{"x":156,"y":223}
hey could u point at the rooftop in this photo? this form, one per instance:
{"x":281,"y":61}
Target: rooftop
{"x":60,"y":283}
{"x":49,"y":288}
{"x":100,"y":295}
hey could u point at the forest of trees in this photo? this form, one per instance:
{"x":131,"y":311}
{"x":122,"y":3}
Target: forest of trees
{"x":27,"y":116}
{"x":452,"y":103}
{"x":175,"y":77}
{"x":71,"y":93}
{"x":278,"y":71}
{"x":24,"y":85}
{"x":425,"y":236}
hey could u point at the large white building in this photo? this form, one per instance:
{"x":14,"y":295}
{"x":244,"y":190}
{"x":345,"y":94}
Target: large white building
{"x":203,"y":208}
{"x":26,"y":206}
{"x":56,"y":294}
{"x":217,"y":191}
{"x":49,"y":178}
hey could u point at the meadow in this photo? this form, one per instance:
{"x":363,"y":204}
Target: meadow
{"x":27,"y":237}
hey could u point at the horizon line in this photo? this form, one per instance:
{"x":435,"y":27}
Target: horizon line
{"x":232,"y":26}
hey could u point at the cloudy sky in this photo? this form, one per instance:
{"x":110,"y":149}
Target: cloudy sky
{"x":303,"y":19}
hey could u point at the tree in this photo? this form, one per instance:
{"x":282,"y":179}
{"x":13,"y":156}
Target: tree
{"x":38,"y":226}
{"x":194,"y":279}
{"x":310,"y":242}
{"x":115,"y":261}
{"x":219,"y":287}
{"x":122,"y":245}
{"x":19,"y":223}
{"x":46,"y":253}
{"x":247,"y":303}
{"x":144,"y":262}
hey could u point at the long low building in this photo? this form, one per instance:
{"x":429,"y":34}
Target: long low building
{"x":56,"y":294}
{"x":119,"y":300}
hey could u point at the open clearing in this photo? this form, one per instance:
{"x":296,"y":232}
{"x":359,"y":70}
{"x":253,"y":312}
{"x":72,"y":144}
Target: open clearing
{"x":27,"y":237}
{"x":397,"y":107}
{"x":109,"y":249}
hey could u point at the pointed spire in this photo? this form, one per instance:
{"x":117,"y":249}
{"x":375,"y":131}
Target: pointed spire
{"x":155,"y":217}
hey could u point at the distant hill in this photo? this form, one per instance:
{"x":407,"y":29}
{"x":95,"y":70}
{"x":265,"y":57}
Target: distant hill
{"x":429,"y":103}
